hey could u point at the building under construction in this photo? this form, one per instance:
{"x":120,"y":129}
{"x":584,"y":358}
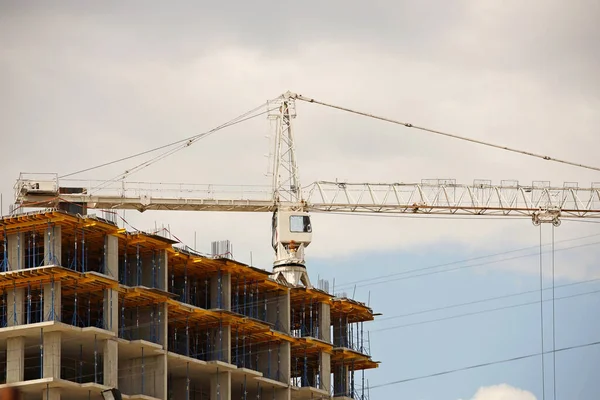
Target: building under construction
{"x":87,"y":306}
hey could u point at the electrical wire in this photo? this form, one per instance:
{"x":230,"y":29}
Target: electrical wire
{"x":352,"y":283}
{"x":450,"y":135}
{"x":553,"y":322}
{"x":542,"y":318}
{"x":530,"y":303}
{"x":476,"y":366}
{"x":488,"y":299}
{"x":470,"y":266}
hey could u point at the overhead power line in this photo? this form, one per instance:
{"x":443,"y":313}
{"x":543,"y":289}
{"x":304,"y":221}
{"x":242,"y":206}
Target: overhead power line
{"x":530,"y":303}
{"x":476,"y":366}
{"x":487,"y":299}
{"x":442,"y":133}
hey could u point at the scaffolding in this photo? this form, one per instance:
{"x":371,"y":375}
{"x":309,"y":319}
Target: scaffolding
{"x":102,"y":306}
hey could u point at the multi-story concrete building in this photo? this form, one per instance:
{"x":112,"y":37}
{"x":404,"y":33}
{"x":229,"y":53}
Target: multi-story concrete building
{"x":87,"y":306}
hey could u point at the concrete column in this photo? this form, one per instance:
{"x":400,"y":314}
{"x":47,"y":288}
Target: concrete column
{"x":162,"y":261}
{"x":220,"y":291}
{"x":52,"y":245}
{"x":52,"y":354}
{"x":16,"y":251}
{"x":111,"y":256}
{"x":325,"y":322}
{"x":285,"y":362}
{"x":52,"y":301}
{"x":15,"y":356}
{"x":220,"y":386}
{"x":111,"y":310}
{"x":110,"y":354}
{"x":325,"y":371}
{"x":51,"y":394}
{"x":15,"y":303}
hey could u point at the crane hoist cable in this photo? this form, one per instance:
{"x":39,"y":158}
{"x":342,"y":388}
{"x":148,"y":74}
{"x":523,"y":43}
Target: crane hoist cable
{"x":236,"y":120}
{"x":182,"y":145}
{"x":442,"y":133}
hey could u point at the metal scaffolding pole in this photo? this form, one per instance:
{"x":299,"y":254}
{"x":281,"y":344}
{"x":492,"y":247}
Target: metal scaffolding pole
{"x":187,"y":336}
{"x":5,"y":264}
{"x":83,"y":263}
{"x":185,"y":283}
{"x":143,"y":370}
{"x":73,"y":264}
{"x":51,"y":314}
{"x":80,"y":369}
{"x":28,"y":303}
{"x":123,"y":318}
{"x":187,"y":381}
{"x":74,"y":319}
{"x":19,"y":266}
{"x":153,"y":269}
{"x":41,"y":301}
{"x":104,"y":254}
{"x":125,"y":267}
{"x":41,"y":353}
{"x":138,"y":264}
{"x":244,"y":391}
{"x":95,"y":358}
{"x":219,"y":289}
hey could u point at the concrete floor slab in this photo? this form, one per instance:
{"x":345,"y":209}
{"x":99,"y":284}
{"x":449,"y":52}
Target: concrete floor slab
{"x":307,"y":393}
{"x":31,"y":331}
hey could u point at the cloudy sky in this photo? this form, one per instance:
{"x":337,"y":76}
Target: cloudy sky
{"x":85,"y":84}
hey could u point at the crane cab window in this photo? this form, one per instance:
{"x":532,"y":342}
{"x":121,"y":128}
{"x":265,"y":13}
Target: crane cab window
{"x":300,"y":223}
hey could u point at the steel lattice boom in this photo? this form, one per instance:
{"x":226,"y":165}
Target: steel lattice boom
{"x":539,"y":201}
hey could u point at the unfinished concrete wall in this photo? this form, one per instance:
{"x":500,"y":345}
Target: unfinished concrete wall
{"x":15,"y":359}
{"x":144,"y":375}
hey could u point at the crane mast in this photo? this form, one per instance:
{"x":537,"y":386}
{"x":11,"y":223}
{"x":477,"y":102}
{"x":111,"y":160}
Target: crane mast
{"x":290,"y":204}
{"x":290,"y":226}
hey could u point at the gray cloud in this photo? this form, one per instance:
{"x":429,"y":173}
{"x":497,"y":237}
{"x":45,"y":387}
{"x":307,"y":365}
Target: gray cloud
{"x":86,"y":83}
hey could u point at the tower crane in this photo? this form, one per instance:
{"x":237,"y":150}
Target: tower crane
{"x":290,"y":204}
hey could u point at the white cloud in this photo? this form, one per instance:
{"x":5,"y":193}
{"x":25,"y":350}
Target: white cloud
{"x":502,"y":392}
